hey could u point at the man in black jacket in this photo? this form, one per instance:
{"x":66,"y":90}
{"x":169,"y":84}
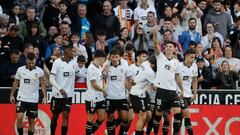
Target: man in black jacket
{"x":204,"y":74}
{"x":106,"y":21}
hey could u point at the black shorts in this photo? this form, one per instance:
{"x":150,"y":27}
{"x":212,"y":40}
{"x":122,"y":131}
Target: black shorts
{"x":165,"y":99}
{"x":59,"y":105}
{"x":139,"y":104}
{"x":92,"y":107}
{"x":185,"y":102}
{"x":116,"y":104}
{"x":148,"y":104}
{"x":30,"y":108}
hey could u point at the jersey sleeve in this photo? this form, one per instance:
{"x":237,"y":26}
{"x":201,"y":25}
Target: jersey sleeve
{"x":195,"y":72}
{"x":17,"y":76}
{"x":41,"y":73}
{"x":55,"y":67}
{"x":150,"y":76}
{"x":178,"y":68}
{"x":129,"y":72}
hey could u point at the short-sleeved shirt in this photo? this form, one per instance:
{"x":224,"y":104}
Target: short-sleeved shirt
{"x":166,"y":71}
{"x":94,"y":73}
{"x":143,"y":80}
{"x":64,"y":76}
{"x":29,"y":83}
{"x":187,"y":74}
{"x":116,"y":81}
{"x":140,"y":14}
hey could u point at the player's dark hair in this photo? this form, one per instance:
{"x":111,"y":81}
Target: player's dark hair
{"x":169,"y":19}
{"x":115,"y":52}
{"x":190,"y":19}
{"x":99,"y":54}
{"x":27,"y":45}
{"x":140,"y":52}
{"x":192,"y":43}
{"x":81,"y":58}
{"x":31,"y":56}
{"x":120,"y":48}
{"x":190,"y":51}
{"x":151,"y":12}
{"x":67,"y":48}
{"x":129,"y":47}
{"x":217,"y":1}
{"x":63,"y":2}
{"x":170,"y":42}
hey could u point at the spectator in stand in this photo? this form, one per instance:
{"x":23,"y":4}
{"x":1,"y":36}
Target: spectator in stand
{"x":237,"y":8}
{"x":50,"y":16}
{"x":233,"y":62}
{"x":124,"y":35}
{"x":129,"y":54}
{"x":101,"y":43}
{"x":226,"y":78}
{"x":106,"y":21}
{"x":80,"y":82}
{"x":58,"y":43}
{"x":40,"y":60}
{"x":24,"y":4}
{"x":51,"y":32}
{"x":15,"y":14}
{"x":208,"y":38}
{"x":124,"y":14}
{"x":55,"y":54}
{"x":77,"y":47}
{"x":63,"y":15}
{"x":11,"y":40}
{"x":190,"y":35}
{"x":9,"y":69}
{"x":88,"y":42}
{"x":215,"y":51}
{"x":148,"y":29}
{"x":167,"y":25}
{"x":25,"y":26}
{"x":221,"y":20}
{"x":177,"y":28}
{"x":176,"y":6}
{"x":204,"y":74}
{"x":191,"y":10}
{"x":65,"y":31}
{"x":80,"y":23}
{"x":4,"y":24}
{"x":4,"y":56}
{"x":234,"y":33}
{"x":237,"y":49}
{"x":140,"y":13}
{"x":139,"y":40}
{"x":35,"y":39}
{"x":27,"y":49}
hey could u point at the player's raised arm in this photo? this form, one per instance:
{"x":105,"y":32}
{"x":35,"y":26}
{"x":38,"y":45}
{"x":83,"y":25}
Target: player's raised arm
{"x":157,"y":49}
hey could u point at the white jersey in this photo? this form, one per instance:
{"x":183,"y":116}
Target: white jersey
{"x":94,"y":73}
{"x":166,"y":70}
{"x":29,"y":83}
{"x":140,"y":14}
{"x":135,"y":70}
{"x":116,"y":81}
{"x":64,"y":76}
{"x":143,"y":80}
{"x":187,"y":75}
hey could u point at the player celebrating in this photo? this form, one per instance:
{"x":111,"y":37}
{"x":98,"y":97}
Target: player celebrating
{"x":188,"y":73}
{"x":167,"y":77}
{"x":116,"y":99}
{"x":62,"y":78}
{"x":143,"y":80}
{"x":28,"y":77}
{"x":95,"y":101}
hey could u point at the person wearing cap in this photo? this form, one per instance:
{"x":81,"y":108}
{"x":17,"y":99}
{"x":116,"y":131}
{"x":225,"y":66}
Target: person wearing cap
{"x":204,"y":74}
{"x":11,"y":40}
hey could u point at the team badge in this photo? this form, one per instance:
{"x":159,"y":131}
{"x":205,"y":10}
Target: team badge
{"x":36,"y":75}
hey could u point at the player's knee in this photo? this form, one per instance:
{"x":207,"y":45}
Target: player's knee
{"x":90,"y":117}
{"x":110,"y":117}
{"x":176,"y":110}
{"x":101,"y":119}
{"x":130,"y":116}
{"x":20,"y":116}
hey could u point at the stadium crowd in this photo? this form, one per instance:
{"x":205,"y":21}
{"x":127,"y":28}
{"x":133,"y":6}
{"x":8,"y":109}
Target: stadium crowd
{"x":204,"y":35}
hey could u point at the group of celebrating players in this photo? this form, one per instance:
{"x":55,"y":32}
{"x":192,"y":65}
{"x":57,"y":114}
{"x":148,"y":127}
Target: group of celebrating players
{"x":150,"y":88}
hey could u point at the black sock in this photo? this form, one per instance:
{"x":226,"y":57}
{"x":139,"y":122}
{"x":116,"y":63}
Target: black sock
{"x":54,"y":124}
{"x":123,"y":127}
{"x":30,"y":132}
{"x":111,"y":127}
{"x":156,"y":123}
{"x":64,"y":130}
{"x":89,"y":127}
{"x":20,"y":131}
{"x":150,"y":126}
{"x":139,"y":132}
{"x":165,"y":127}
{"x":117,"y":121}
{"x":96,"y":125}
{"x":177,"y":122}
{"x":188,"y":126}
